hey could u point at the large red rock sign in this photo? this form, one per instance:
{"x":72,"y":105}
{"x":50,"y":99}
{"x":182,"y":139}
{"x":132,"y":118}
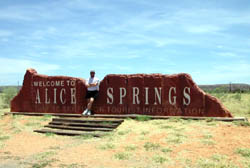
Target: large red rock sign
{"x":147,"y":94}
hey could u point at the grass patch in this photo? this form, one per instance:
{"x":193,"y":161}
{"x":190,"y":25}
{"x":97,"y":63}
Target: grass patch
{"x":236,"y":107}
{"x":210,"y":119}
{"x":43,"y":163}
{"x":85,"y":136}
{"x":32,"y":124}
{"x":166,"y":150}
{"x":159,"y":159}
{"x":215,"y":163}
{"x":159,"y":122}
{"x":73,"y":165}
{"x":131,"y":148}
{"x":144,"y":133}
{"x":207,"y":136}
{"x":46,"y":117}
{"x":3,"y":138}
{"x":143,"y":118}
{"x":245,"y":152}
{"x":151,"y":146}
{"x":49,"y":134}
{"x":166,"y":127}
{"x":175,"y":119}
{"x":208,"y":142}
{"x":242,"y":123}
{"x":174,"y":140}
{"x":124,"y":132}
{"x":107,"y":146}
{"x":121,"y":156}
{"x":43,"y":160}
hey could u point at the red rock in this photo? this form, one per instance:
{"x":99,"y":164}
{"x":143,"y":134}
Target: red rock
{"x":148,"y":94}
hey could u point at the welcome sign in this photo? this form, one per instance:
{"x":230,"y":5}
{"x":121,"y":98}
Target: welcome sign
{"x":147,"y":94}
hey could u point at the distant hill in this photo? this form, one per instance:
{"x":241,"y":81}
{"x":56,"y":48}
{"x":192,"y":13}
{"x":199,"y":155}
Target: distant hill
{"x":234,"y":87}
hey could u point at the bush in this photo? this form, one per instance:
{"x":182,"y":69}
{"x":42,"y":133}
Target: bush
{"x":8,"y":94}
{"x":142,"y":118}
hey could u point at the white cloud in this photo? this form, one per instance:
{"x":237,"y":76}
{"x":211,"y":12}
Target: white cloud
{"x":17,"y":66}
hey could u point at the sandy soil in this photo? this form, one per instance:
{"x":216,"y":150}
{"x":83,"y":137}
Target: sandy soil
{"x":188,"y":144}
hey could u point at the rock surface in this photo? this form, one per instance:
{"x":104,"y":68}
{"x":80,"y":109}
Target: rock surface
{"x":148,"y":94}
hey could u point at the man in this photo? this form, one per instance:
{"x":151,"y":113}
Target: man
{"x":92,"y":91}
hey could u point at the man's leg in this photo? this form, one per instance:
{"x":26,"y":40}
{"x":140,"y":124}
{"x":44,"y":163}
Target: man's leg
{"x":85,"y":112}
{"x":90,"y":102}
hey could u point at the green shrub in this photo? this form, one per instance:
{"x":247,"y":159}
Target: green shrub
{"x":107,"y":146}
{"x":121,"y":156}
{"x":245,"y":152}
{"x":8,"y":94}
{"x":166,"y":150}
{"x":159,"y":159}
{"x":151,"y":146}
{"x":142,"y":118}
{"x":130,"y":148}
{"x":237,"y":96}
{"x":242,"y":123}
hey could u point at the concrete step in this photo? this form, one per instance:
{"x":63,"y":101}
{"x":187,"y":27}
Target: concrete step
{"x":93,"y":125}
{"x":78,"y":128}
{"x":87,"y":120}
{"x":70,"y":132}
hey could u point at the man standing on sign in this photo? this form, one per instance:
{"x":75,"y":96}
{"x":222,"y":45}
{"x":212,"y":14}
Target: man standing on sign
{"x":92,"y":91}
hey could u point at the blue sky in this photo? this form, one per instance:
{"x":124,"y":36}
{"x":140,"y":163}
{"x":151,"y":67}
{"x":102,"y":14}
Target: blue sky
{"x":210,"y":40}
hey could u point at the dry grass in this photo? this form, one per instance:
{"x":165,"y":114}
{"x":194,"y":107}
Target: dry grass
{"x":237,"y":103}
{"x":137,"y":144}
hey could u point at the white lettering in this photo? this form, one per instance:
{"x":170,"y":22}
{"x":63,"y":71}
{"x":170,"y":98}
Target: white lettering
{"x":170,"y":96}
{"x":47,"y":101}
{"x":35,"y":83}
{"x":54,"y":95}
{"x":57,"y":83}
{"x":110,"y":98}
{"x":146,"y":95}
{"x":72,"y":83}
{"x":63,"y":91}
{"x":186,"y":93}
{"x":136,"y":95}
{"x":62,"y":83}
{"x":157,"y":95}
{"x":52,"y":83}
{"x":73,"y":95}
{"x":123,"y":93}
{"x":38,"y":101}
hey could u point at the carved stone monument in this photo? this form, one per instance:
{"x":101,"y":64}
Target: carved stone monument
{"x":147,"y":94}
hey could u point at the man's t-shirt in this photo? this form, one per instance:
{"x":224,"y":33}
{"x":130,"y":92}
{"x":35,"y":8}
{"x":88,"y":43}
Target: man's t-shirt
{"x":91,"y":81}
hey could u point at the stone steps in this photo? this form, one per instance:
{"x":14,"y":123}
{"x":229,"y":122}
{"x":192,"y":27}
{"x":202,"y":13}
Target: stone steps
{"x":70,"y":132}
{"x":98,"y":125}
{"x":81,"y":126}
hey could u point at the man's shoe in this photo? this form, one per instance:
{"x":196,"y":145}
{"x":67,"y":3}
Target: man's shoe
{"x":89,"y":112}
{"x":85,"y":112}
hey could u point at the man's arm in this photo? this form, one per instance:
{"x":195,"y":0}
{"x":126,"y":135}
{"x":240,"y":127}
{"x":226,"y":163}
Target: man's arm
{"x":91,"y":85}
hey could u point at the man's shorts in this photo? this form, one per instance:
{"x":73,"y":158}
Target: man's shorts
{"x":93,"y":94}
